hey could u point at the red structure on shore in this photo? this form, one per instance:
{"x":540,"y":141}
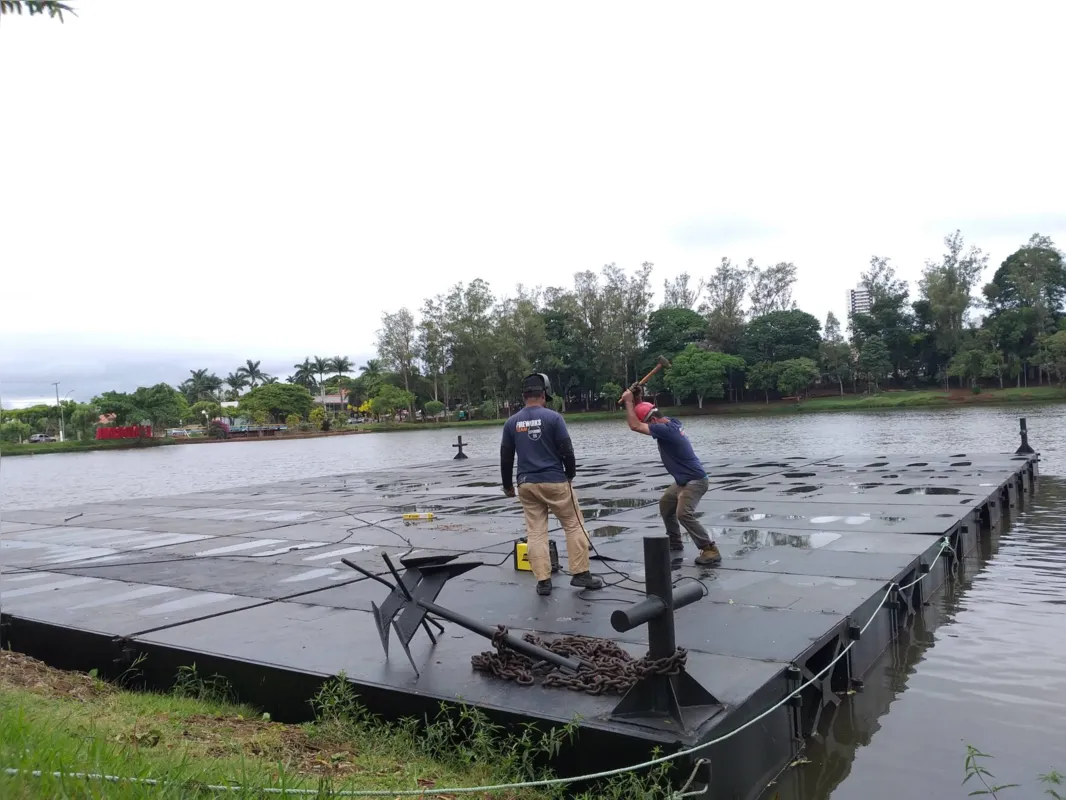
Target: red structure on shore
{"x":125,"y":432}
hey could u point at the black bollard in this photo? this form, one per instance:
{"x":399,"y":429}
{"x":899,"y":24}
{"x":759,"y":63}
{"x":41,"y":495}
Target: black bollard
{"x":460,"y":454}
{"x":1025,"y":449}
{"x":672,"y":699}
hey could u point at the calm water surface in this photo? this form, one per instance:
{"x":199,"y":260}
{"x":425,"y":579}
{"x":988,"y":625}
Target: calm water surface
{"x":988,"y":666}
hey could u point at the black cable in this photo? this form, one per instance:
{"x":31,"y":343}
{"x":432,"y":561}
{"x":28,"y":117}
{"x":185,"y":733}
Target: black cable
{"x":623,"y":576}
{"x":87,"y":563}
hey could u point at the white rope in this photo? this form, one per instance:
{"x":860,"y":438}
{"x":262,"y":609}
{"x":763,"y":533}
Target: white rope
{"x":522,"y":784}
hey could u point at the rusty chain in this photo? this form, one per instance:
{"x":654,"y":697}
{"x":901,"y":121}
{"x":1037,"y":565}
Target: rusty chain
{"x":605,"y":667}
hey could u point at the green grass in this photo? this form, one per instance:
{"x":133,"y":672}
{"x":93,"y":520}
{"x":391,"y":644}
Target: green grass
{"x":55,"y":721}
{"x":27,"y":449}
{"x":927,"y":399}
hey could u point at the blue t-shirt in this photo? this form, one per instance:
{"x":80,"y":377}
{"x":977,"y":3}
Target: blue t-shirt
{"x":676,"y":451}
{"x":536,"y":433}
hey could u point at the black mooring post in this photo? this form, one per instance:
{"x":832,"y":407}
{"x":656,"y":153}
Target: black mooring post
{"x":460,"y":454}
{"x":673,"y":701}
{"x":657,"y":582}
{"x":1025,"y":449}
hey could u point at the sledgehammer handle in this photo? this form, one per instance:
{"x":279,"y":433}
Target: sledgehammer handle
{"x":646,"y":378}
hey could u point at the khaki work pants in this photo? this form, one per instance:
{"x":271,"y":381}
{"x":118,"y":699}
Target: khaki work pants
{"x":678,"y":505}
{"x":537,"y":500}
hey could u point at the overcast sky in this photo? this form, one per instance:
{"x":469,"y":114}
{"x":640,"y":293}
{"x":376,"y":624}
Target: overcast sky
{"x":190,"y":185}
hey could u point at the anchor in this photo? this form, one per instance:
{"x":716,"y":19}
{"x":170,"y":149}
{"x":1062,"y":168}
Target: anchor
{"x":413,"y":596}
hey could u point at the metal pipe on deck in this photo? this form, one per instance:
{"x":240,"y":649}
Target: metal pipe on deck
{"x":516,"y":643}
{"x":626,"y":619}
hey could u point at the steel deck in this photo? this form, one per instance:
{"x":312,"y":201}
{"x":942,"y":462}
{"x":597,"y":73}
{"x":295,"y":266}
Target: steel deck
{"x":248,"y":583}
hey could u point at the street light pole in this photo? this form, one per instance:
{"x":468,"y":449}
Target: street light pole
{"x":60,"y":406}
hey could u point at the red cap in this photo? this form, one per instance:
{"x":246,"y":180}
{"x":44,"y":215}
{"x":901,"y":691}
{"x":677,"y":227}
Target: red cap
{"x":644,"y":411}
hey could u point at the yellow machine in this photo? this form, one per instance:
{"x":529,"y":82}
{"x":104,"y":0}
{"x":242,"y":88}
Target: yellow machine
{"x":521,"y":557}
{"x":410,"y":517}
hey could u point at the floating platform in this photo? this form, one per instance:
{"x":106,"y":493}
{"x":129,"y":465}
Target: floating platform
{"x":249,"y":583}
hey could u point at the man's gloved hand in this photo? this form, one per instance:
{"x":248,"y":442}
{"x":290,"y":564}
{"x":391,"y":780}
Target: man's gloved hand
{"x":637,"y":390}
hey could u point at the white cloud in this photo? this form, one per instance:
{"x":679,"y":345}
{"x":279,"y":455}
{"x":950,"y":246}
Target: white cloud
{"x":263,"y":182}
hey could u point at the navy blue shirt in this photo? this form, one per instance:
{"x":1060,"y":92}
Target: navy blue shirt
{"x":539,"y":438}
{"x":676,"y":451}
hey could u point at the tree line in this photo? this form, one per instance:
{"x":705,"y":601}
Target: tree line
{"x":733,"y":335}
{"x":737,"y":333}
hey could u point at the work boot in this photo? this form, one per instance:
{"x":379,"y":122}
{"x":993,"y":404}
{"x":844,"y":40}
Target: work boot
{"x":586,"y":580}
{"x":544,"y":587}
{"x":709,"y":556}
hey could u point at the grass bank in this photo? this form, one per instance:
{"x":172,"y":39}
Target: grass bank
{"x":42,"y":448}
{"x":62,"y":722}
{"x":890,"y":400}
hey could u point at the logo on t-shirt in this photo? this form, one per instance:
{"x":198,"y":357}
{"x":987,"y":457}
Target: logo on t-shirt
{"x":531,"y":427}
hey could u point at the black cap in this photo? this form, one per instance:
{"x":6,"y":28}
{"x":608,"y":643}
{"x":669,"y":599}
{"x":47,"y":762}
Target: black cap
{"x":537,"y":382}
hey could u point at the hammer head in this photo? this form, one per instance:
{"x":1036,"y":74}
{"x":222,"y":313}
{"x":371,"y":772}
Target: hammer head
{"x":664,"y":362}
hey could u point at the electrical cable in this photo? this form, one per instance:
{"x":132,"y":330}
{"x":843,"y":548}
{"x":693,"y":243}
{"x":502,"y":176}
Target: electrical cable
{"x":349,"y":532}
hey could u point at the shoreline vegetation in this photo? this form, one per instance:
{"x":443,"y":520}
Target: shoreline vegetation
{"x":58,"y":729}
{"x":174,"y":743}
{"x":883,"y":401}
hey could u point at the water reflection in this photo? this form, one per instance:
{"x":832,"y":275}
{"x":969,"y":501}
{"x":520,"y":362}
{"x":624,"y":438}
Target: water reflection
{"x":982,"y":666}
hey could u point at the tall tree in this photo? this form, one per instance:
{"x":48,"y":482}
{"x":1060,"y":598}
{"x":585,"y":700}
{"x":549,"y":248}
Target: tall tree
{"x":431,"y":345}
{"x":724,"y":307}
{"x":874,"y":361}
{"x":771,"y":287}
{"x":320,"y":366}
{"x":679,"y":293}
{"x":781,"y":336}
{"x":947,"y":286}
{"x":396,"y":344}
{"x":304,"y":375}
{"x":570,"y":343}
{"x":236,"y":382}
{"x":796,"y":375}
{"x":834,"y":353}
{"x":252,"y":373}
{"x":200,"y":385}
{"x":1025,"y":297}
{"x":890,"y":318}
{"x":700,"y":372}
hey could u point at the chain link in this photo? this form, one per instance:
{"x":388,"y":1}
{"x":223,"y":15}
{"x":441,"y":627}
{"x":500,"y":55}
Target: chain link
{"x":605,"y":667}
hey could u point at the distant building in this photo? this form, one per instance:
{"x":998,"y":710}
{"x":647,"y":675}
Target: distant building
{"x":333,"y":402}
{"x":859,"y":301}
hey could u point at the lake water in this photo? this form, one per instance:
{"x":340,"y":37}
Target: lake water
{"x":991,"y":672}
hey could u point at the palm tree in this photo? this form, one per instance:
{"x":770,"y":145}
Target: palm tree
{"x":201,"y":385}
{"x":252,"y":373}
{"x":340,"y":365}
{"x":237,"y":381}
{"x":304,"y":375}
{"x":320,"y":366}
{"x":269,"y":379}
{"x":371,"y":375}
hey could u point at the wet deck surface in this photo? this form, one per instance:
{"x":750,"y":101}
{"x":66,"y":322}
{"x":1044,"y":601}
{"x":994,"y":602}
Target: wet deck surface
{"x":255,"y":574}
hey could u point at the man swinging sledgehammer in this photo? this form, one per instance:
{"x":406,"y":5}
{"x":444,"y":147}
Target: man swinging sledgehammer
{"x":678,"y":503}
{"x":546,"y":465}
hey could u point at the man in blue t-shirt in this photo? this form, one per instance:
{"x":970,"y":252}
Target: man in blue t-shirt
{"x":678,"y":503}
{"x":546,"y":466}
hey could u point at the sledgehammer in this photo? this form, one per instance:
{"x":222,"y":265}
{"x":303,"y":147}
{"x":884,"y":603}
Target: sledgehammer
{"x":662,"y":363}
